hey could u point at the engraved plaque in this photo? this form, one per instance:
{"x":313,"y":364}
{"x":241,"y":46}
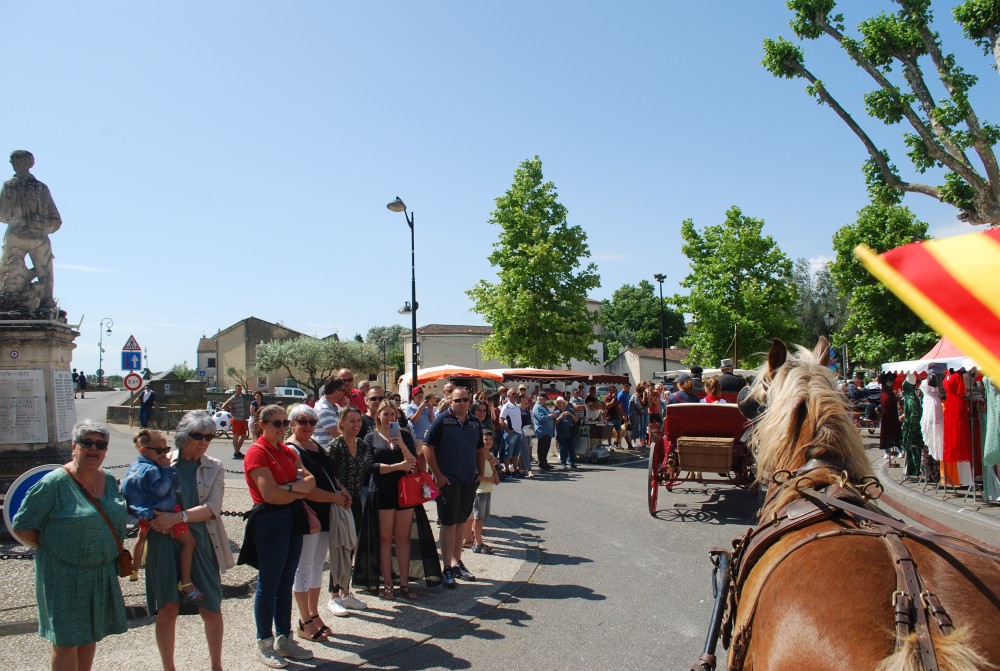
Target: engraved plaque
{"x":65,"y":408}
{"x":22,"y":407}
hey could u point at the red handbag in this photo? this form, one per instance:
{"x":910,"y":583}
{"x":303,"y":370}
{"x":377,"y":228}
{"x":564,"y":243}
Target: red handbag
{"x":416,"y":489}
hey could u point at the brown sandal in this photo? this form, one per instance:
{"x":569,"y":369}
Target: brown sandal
{"x":388,"y":594}
{"x":407,"y":592}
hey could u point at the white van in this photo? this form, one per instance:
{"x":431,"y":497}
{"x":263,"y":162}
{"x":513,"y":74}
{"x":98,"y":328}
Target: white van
{"x":290,"y":392}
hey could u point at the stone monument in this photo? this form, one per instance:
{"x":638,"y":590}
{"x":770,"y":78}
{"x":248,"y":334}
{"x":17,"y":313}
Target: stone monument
{"x":37,"y":411}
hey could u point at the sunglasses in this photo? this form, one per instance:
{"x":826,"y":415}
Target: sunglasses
{"x":466,"y":399}
{"x":376,"y":398}
{"x":202,"y":436}
{"x":158,"y":450}
{"x":278,"y":423}
{"x":310,"y":422}
{"x":100,"y":445}
{"x":347,"y":379}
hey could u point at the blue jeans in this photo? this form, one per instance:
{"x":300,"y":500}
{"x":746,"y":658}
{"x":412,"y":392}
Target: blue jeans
{"x":144,"y":414}
{"x":566,"y":454}
{"x":278,"y":553}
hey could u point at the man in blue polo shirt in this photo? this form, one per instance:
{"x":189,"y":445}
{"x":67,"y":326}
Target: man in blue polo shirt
{"x":456,"y":456}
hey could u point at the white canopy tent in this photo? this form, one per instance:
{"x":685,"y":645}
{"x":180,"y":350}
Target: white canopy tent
{"x":941,"y":357}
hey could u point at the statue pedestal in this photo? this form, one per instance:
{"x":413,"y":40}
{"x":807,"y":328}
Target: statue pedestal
{"x":37,"y":411}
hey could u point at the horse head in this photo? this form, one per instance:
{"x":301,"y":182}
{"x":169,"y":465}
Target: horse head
{"x":798,"y":414}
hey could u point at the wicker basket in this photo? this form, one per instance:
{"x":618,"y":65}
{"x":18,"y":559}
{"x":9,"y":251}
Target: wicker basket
{"x":705,"y":454}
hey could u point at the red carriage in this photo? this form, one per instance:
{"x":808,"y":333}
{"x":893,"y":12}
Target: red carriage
{"x":700,"y":442}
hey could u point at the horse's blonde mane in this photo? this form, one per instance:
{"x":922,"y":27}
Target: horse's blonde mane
{"x":807,"y":417}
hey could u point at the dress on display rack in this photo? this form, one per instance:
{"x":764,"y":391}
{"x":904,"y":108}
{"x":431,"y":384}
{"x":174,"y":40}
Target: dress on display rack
{"x":956,"y":464}
{"x":932,"y":420}
{"x":991,"y":448}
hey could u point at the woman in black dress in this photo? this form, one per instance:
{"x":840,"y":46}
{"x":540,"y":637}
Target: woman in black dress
{"x":390,"y":454}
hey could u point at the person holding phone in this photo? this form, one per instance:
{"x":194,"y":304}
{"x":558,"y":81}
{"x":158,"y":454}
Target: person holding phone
{"x":391,"y":453}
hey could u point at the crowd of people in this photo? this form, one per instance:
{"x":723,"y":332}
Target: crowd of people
{"x":323,"y":481}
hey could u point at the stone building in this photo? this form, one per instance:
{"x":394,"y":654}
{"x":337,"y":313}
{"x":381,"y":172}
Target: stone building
{"x":639,"y":363}
{"x":236,"y":347}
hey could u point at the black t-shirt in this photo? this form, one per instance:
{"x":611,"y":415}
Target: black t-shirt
{"x":455,"y":444}
{"x":731,"y":383}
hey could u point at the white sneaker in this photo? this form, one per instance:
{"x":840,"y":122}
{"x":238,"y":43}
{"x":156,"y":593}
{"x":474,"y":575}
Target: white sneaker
{"x":287,"y":647}
{"x":336,"y":607}
{"x":352,"y":602}
{"x":267,"y":655}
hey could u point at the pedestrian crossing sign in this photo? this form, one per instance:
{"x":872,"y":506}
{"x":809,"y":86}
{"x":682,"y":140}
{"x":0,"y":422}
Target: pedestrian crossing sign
{"x":131,"y":345}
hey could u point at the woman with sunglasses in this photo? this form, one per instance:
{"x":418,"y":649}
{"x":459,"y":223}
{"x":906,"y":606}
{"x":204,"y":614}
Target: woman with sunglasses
{"x":278,"y":482}
{"x":76,"y":568}
{"x":200,"y":486}
{"x":149,"y":486}
{"x":328,"y":492}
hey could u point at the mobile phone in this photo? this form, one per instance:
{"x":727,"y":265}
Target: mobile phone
{"x":394,"y":429}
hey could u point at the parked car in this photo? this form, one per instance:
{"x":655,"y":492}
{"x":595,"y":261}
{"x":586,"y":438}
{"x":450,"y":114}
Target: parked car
{"x":290,"y":392}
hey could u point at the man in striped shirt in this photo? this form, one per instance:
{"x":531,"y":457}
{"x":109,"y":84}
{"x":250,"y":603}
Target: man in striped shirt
{"x":328,"y":411}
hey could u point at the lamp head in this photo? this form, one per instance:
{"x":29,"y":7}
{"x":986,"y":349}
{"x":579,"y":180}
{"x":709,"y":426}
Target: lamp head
{"x":659,"y":277}
{"x":397,"y":205}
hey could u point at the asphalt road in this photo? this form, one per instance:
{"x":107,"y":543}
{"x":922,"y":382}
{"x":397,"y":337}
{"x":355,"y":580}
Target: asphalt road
{"x":615,"y":588}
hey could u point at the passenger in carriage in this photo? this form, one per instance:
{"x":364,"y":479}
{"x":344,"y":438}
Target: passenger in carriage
{"x":713,"y":392}
{"x":684,"y":385}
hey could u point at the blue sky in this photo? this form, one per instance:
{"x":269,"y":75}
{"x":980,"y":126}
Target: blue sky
{"x":216,"y":160}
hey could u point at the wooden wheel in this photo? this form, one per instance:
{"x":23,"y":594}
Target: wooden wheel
{"x":653,"y":479}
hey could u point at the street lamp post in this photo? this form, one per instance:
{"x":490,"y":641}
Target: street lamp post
{"x":659,"y":277}
{"x":100,"y":352}
{"x":399,"y":206}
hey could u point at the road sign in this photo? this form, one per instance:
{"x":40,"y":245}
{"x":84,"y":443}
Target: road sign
{"x":131,"y":360}
{"x":133,"y":381}
{"x":201,"y":373}
{"x":131,"y":345}
{"x":17,"y":492}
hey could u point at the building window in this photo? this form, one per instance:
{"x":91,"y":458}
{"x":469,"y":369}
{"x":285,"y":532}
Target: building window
{"x":211,"y":362}
{"x":262,"y":382}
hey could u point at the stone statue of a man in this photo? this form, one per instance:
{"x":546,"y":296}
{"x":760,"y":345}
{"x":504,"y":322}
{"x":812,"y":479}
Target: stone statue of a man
{"x":26,"y":207}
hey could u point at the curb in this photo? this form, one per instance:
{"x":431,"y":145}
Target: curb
{"x":446,"y":624}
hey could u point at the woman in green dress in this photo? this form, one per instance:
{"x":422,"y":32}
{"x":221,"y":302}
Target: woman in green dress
{"x":200,"y":488}
{"x":913,"y":441}
{"x":76,"y":568}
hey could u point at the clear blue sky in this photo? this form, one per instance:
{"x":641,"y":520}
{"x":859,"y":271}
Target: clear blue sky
{"x":216,"y":160}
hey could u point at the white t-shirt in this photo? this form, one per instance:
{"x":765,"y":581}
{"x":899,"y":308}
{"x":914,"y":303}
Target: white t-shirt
{"x":513,"y":411}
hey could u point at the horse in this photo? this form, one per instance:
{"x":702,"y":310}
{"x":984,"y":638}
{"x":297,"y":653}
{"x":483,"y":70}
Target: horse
{"x":827,"y":580}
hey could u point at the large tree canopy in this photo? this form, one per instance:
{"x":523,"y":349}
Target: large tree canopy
{"x":632,"y":319}
{"x":538,"y":306}
{"x":902,"y":54}
{"x":741,"y":290}
{"x":880,"y":327}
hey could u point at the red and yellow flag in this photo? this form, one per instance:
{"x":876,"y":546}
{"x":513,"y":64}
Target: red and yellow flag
{"x":953,"y":284}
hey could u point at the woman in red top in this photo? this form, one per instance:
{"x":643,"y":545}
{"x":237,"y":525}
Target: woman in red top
{"x":277,"y":481}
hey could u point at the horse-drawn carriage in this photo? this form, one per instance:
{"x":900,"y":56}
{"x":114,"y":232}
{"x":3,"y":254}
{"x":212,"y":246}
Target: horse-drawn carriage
{"x":827,"y":580}
{"x":699,"y":439}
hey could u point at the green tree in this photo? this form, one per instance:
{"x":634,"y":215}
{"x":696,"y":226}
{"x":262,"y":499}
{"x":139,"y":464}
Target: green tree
{"x":388,"y":340}
{"x":538,"y":306}
{"x":246,"y":378}
{"x":310,"y":361}
{"x":879,"y":327}
{"x":183,"y":371}
{"x":816,"y":295}
{"x":632,"y":319}
{"x":947,"y":132}
{"x":740,"y":290}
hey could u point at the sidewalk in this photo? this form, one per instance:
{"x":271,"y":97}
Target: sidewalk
{"x":385,"y":628}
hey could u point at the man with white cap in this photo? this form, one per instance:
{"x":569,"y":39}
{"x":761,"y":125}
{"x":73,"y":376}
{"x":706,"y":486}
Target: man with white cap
{"x":728,"y":382}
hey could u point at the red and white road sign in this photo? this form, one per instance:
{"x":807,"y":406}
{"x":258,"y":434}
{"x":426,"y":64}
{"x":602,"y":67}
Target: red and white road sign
{"x":133,"y":381}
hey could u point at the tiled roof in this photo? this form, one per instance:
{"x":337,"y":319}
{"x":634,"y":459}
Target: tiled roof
{"x":454,"y":329}
{"x":657,"y":353}
{"x":207,"y":345}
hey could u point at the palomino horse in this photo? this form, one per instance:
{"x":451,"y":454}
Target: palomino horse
{"x":826,"y":581}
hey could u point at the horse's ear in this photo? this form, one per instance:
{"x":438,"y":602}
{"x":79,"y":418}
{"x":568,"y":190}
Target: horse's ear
{"x":822,"y":351}
{"x":776,"y":355}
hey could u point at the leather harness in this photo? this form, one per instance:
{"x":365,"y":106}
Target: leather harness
{"x":845,"y":504}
